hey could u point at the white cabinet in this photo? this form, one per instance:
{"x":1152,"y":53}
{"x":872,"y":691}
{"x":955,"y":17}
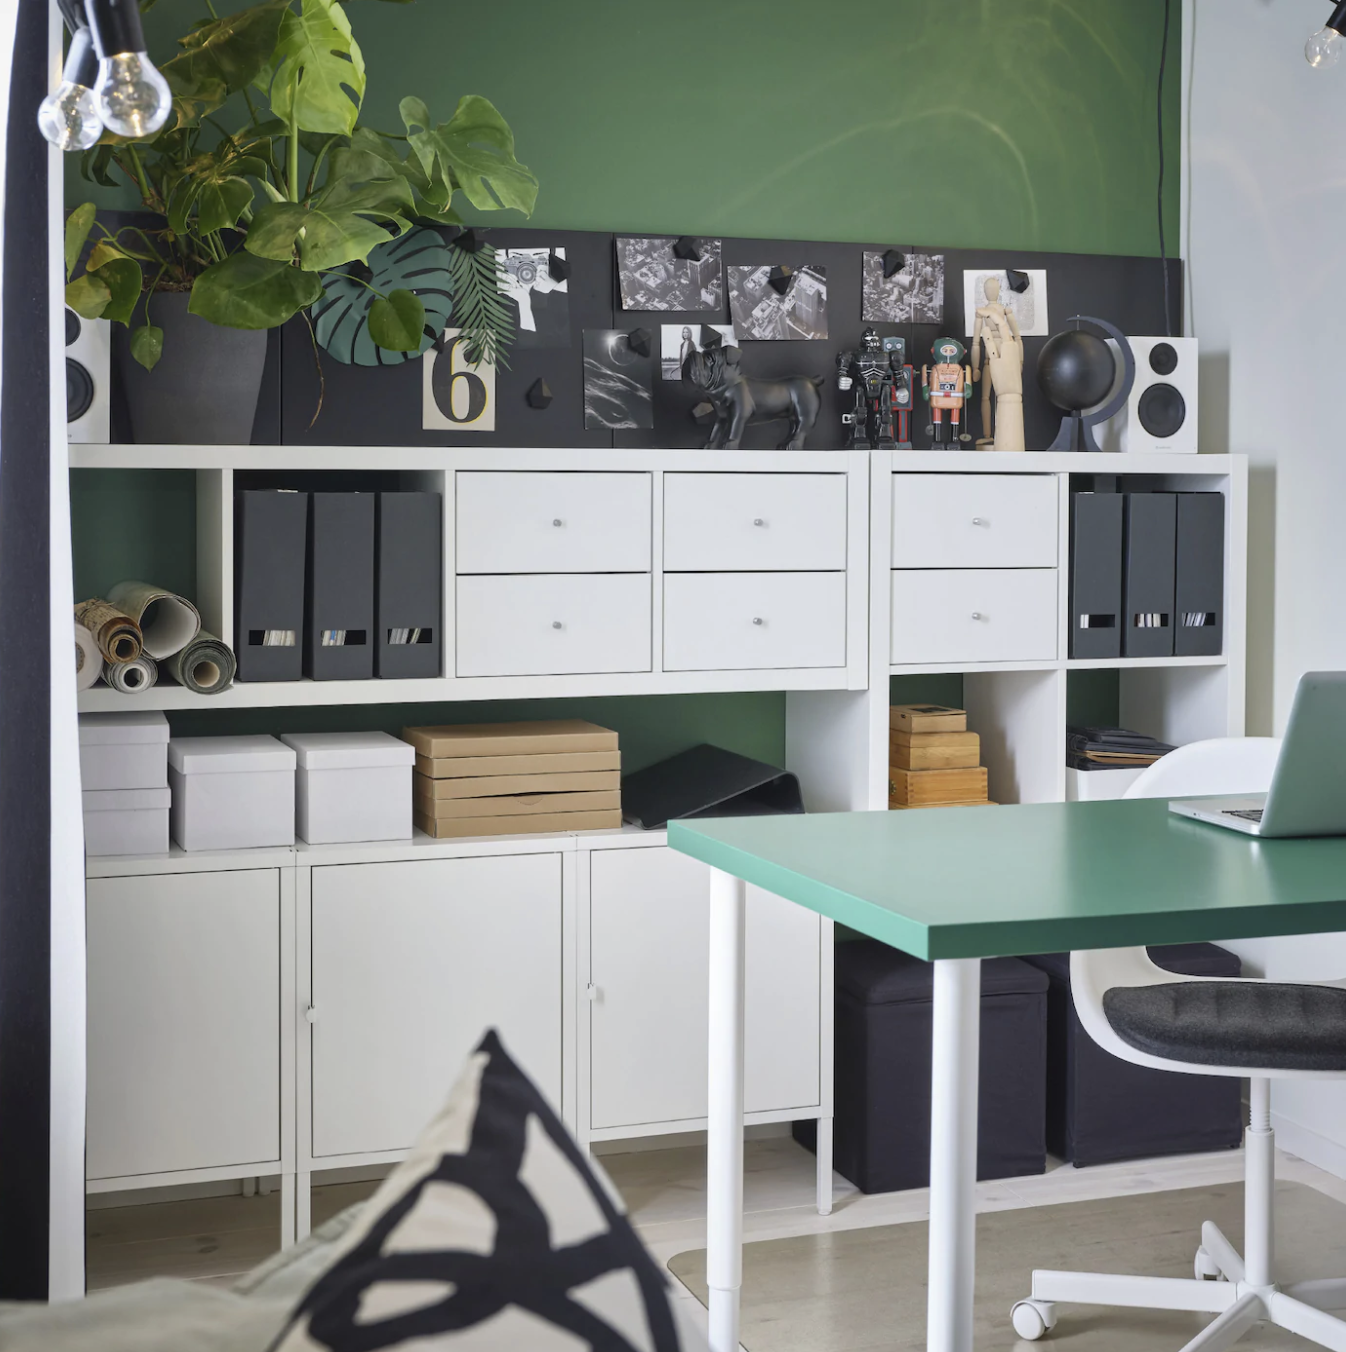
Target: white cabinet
{"x":412,"y":963}
{"x":554,"y":624}
{"x":648,"y":953}
{"x":958,"y":615}
{"x":184,"y":1022}
{"x":732,"y":522}
{"x":733,"y":621}
{"x":974,"y":521}
{"x":537,"y":522}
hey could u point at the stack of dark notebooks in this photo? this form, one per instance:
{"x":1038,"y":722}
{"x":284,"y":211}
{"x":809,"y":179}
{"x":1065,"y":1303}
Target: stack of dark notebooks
{"x":1111,"y":748}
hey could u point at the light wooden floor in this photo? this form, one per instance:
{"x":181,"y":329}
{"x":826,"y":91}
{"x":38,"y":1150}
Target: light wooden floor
{"x":218,"y":1239}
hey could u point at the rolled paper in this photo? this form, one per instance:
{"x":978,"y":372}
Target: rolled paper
{"x":205,"y":666}
{"x":131,"y":677}
{"x":168,"y":622}
{"x":117,"y":635}
{"x":88,"y":660}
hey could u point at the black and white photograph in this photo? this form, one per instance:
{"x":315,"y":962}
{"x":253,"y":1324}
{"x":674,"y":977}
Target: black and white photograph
{"x":618,"y":381}
{"x":1029,"y":307}
{"x":543,"y":301}
{"x":653,"y":277}
{"x":914,"y":294}
{"x":678,"y":341}
{"x":761,"y":312}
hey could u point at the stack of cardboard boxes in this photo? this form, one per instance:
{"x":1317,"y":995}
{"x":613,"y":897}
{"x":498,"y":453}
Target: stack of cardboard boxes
{"x":497,"y":779}
{"x":933,"y":760}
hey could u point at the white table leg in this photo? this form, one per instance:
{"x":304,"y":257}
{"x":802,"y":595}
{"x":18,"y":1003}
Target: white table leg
{"x":824,"y":1164}
{"x":953,"y":1154}
{"x":724,"y":1116}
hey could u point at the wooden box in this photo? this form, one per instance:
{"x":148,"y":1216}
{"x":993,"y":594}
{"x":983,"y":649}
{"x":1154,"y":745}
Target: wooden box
{"x":934,"y":750}
{"x":912,"y":788}
{"x":926,"y":718}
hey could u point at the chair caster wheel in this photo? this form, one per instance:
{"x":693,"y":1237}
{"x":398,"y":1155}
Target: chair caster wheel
{"x":1204,"y":1268}
{"x":1032,"y":1318}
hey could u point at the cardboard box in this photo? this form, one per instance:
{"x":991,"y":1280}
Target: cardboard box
{"x":123,"y":750}
{"x":441,"y":827}
{"x":927,"y":718}
{"x":494,"y":786}
{"x":510,"y":739}
{"x":231,"y":793}
{"x":543,"y":763}
{"x":351,"y":786}
{"x":126,"y":821}
{"x":914,"y":787}
{"x":517,"y":804}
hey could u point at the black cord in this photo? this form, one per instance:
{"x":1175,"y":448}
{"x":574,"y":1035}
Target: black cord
{"x":1163,"y":253}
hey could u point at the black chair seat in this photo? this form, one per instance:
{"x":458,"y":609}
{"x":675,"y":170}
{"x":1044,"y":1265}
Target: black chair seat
{"x":1233,"y":1023}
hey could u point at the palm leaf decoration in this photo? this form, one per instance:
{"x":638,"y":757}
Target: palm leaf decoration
{"x":481,"y":311}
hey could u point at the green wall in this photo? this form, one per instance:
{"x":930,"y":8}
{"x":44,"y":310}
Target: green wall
{"x":1023,"y":124}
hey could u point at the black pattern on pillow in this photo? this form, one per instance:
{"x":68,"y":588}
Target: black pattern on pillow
{"x":495,"y":1233}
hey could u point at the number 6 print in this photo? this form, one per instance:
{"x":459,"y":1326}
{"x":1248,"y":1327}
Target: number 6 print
{"x":456,"y":396}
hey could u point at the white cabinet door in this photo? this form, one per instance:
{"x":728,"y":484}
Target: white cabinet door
{"x":974,"y":520}
{"x":719,"y":523}
{"x":974,"y":615}
{"x":649,"y":937}
{"x":412,"y":963}
{"x":554,"y":624}
{"x":534,"y":522}
{"x":184,"y":1022}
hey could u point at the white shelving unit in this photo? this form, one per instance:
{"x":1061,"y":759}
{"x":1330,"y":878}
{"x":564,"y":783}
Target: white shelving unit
{"x":739,"y":563}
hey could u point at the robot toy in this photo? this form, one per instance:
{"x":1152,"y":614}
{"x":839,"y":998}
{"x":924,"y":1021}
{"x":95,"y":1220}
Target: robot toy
{"x":946,"y":385}
{"x":881,"y":384}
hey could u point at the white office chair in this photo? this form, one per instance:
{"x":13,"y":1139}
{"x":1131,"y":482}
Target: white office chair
{"x":1211,"y":1026}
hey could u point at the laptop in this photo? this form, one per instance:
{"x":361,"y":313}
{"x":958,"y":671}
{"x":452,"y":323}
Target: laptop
{"x":1308,"y":789}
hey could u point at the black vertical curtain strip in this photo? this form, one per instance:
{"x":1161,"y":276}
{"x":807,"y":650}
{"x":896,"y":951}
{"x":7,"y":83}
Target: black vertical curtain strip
{"x":25,"y":697}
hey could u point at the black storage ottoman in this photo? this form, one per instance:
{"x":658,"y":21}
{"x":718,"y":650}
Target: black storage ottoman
{"x":884,"y":1015}
{"x":1101,"y":1108}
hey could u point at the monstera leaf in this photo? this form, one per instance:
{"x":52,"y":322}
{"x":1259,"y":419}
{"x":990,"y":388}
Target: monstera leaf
{"x":417,"y":262}
{"x":318,"y":71}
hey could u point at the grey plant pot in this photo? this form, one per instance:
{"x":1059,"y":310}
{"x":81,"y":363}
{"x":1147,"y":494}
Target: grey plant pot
{"x":204,"y":389}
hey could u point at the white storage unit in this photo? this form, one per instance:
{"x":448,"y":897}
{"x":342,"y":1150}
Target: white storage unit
{"x":351,"y":786}
{"x":231,"y":793}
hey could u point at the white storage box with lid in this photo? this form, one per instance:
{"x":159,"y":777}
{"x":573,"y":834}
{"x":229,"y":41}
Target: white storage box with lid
{"x":231,"y":793}
{"x":1092,"y":786}
{"x":352,"y":786}
{"x":126,"y":821}
{"x":123,"y":750}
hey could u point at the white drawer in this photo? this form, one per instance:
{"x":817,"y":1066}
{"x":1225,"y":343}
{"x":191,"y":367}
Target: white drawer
{"x":736,"y":621}
{"x":974,"y":615}
{"x":729,"y":522}
{"x":974,"y":521}
{"x":553,"y":624}
{"x":529,"y":522}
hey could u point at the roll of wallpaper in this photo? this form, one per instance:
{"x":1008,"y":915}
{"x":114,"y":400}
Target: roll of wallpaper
{"x":88,"y":660}
{"x":131,"y":677}
{"x":205,"y":666}
{"x":117,"y":635}
{"x":168,"y":622}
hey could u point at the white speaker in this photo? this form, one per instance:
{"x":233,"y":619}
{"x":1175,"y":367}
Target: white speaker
{"x":1160,"y":414}
{"x":88,"y":363}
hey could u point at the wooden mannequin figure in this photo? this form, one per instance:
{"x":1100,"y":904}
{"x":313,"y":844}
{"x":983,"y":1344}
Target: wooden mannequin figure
{"x":997,"y":328}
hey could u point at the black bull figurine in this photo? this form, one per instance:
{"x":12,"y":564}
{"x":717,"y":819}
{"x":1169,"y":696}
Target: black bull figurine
{"x":738,"y":399}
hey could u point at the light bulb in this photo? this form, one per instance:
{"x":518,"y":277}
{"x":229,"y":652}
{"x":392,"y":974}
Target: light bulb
{"x":1323,"y":49}
{"x":133,"y":98}
{"x":69,"y":117}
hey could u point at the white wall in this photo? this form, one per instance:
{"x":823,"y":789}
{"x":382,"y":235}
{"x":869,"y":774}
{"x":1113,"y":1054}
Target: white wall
{"x":1264,"y":215}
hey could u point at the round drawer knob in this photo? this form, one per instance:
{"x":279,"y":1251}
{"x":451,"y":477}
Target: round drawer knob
{"x":977,"y":615}
{"x":556,"y":624}
{"x":757,"y":619}
{"x":556,"y":521}
{"x":757,"y":521}
{"x":978,"y":520}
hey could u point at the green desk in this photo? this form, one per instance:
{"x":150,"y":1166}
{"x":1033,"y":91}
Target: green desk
{"x":957,"y":885}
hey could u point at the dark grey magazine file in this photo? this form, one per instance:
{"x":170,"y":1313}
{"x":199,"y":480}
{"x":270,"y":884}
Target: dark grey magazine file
{"x":1096,"y":575}
{"x":1151,"y":529}
{"x":339,"y":588}
{"x":409,"y":614}
{"x":1199,"y":577}
{"x":270,"y":530}
{"x":707,"y":781}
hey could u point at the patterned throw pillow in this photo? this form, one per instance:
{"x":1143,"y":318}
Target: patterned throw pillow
{"x":495,"y":1233}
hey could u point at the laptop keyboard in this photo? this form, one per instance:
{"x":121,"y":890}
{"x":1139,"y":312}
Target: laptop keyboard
{"x":1249,"y":814}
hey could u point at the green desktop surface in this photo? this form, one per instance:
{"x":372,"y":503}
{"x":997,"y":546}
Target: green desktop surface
{"x":978,"y":882}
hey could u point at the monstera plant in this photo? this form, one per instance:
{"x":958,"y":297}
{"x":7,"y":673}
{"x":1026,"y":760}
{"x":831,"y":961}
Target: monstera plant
{"x":267,"y":188}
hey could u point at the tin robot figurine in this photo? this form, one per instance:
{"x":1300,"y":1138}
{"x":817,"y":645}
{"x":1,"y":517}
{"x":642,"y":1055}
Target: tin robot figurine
{"x":946,"y":385}
{"x":881,"y":384}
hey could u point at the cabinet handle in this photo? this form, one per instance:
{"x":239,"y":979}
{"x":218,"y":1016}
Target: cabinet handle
{"x":977,"y":615}
{"x":556,"y":521}
{"x":556,"y":624}
{"x":591,"y":992}
{"x":757,"y":619}
{"x":757,"y":521}
{"x":311,"y":1015}
{"x":978,"y":520}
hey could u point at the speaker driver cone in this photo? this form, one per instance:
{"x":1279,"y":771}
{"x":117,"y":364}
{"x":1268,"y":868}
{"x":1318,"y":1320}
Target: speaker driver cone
{"x":1162,"y":411}
{"x":79,"y":390}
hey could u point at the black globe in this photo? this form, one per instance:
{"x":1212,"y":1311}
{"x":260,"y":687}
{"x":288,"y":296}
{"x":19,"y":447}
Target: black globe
{"x":1076,"y":369}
